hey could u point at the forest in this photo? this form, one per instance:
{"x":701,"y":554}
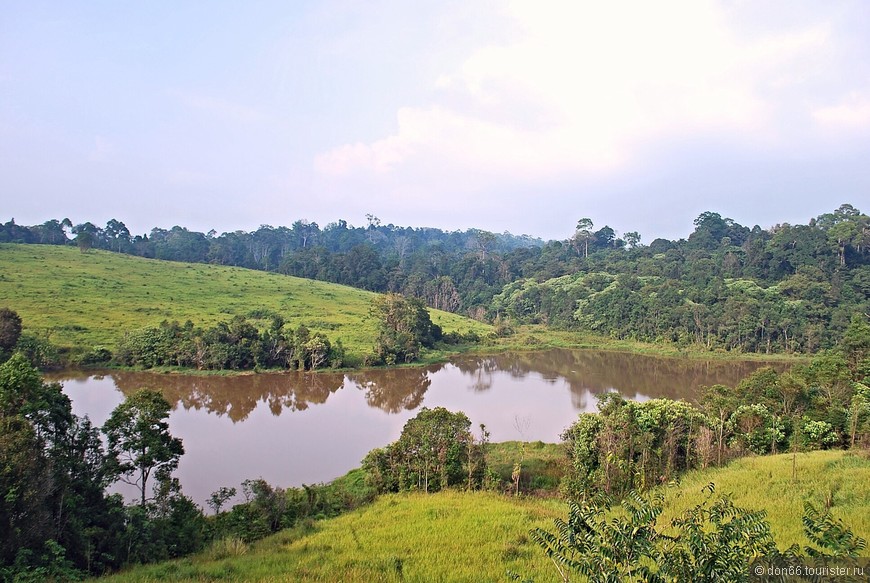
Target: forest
{"x":780,"y":289}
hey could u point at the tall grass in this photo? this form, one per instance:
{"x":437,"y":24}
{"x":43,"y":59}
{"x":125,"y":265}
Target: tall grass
{"x":780,"y":484}
{"x":456,"y":536}
{"x":450,"y":536}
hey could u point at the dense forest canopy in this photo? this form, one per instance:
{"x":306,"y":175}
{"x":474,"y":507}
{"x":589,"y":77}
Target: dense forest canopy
{"x":786,"y":288}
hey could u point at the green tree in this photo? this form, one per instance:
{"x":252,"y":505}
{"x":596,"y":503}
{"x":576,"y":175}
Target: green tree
{"x":53,"y":474}
{"x":10,"y":330}
{"x":583,"y":234}
{"x":435,"y":451}
{"x":404,"y":326}
{"x":139,"y":440}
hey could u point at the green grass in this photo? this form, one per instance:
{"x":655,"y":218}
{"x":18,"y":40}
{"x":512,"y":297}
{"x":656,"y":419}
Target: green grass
{"x":450,"y":536}
{"x":835,"y":479}
{"x":90,"y":299}
{"x":454,"y":536}
{"x":543,"y":464}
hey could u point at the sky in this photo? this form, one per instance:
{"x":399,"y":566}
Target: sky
{"x":508,"y":115}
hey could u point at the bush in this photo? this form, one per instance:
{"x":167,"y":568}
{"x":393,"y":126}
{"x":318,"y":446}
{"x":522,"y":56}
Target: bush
{"x":95,"y":356}
{"x":39,"y":351}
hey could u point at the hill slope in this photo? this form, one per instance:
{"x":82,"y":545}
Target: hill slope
{"x":90,"y":299}
{"x":455,"y":536}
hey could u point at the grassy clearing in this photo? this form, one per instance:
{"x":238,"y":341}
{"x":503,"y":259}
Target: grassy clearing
{"x":90,"y":299}
{"x":451,"y":536}
{"x":543,"y":464}
{"x":835,"y":479}
{"x":456,"y":536}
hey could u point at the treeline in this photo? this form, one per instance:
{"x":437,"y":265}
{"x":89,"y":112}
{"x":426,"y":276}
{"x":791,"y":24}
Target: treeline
{"x":636,"y":445}
{"x":787,"y":288}
{"x":784,"y":289}
{"x":234,"y":345}
{"x":450,"y":270}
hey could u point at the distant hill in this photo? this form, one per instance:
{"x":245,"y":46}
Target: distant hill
{"x":90,"y":299}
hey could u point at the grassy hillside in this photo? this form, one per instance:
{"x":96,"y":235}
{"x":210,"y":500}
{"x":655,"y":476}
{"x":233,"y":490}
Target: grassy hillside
{"x":89,"y":299}
{"x":835,"y":479}
{"x":456,"y":536}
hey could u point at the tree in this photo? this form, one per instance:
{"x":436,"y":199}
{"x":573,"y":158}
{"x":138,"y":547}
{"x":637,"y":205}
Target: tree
{"x":483,"y":240}
{"x":584,"y":234}
{"x":10,"y":330}
{"x":87,"y":234}
{"x":139,"y":440}
{"x":435,"y":451}
{"x":632,"y":238}
{"x":117,"y":235}
{"x":404,"y":326}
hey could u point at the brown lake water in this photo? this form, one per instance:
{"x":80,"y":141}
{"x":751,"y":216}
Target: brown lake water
{"x":302,"y":428}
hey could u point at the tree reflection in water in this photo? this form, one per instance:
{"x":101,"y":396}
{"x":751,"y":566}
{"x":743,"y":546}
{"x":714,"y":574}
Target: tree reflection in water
{"x":236,"y":396}
{"x":395,"y":390}
{"x":592,"y":372}
{"x":585,"y":372}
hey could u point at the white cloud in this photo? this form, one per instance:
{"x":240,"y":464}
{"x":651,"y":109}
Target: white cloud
{"x":583,"y":84}
{"x":853,"y":111}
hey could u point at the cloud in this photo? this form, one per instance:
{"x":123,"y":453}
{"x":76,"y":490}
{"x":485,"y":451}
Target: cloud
{"x":853,"y":111}
{"x":581,"y":85}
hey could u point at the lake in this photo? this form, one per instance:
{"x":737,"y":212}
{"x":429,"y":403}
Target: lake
{"x":303,"y":428}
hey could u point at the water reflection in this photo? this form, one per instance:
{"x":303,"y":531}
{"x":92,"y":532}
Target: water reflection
{"x":586,"y":373}
{"x":591,"y":372}
{"x":297,"y":428}
{"x":397,"y":389}
{"x":233,"y":396}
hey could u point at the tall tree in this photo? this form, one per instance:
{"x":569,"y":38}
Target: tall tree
{"x":139,"y":440}
{"x":584,"y":234}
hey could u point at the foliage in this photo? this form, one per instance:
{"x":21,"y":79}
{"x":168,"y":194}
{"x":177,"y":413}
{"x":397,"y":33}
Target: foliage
{"x":38,"y":351}
{"x":630,"y":445}
{"x":435,"y":451}
{"x":139,"y":441}
{"x":404,"y":327}
{"x":268,"y":509}
{"x":233,"y":345}
{"x":637,"y":445}
{"x":10,"y":330}
{"x":715,"y":540}
{"x":55,"y":518}
{"x":786,"y":289}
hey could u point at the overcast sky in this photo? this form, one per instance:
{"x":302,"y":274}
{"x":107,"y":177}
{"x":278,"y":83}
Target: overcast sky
{"x":522,"y":116}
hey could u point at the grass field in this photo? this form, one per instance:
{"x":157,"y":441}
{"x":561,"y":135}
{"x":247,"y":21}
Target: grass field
{"x":90,"y":299}
{"x":456,"y":536}
{"x":835,"y":479}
